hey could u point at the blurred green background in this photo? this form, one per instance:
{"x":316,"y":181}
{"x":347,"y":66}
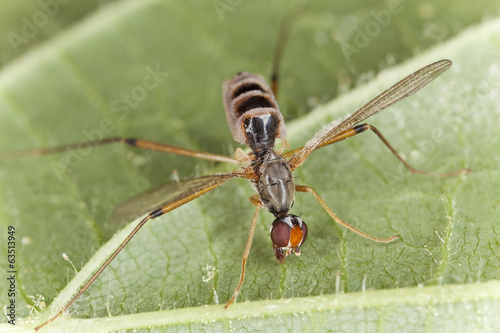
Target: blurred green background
{"x":346,"y":43}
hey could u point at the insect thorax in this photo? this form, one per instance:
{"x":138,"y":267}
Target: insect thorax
{"x":275,"y":185}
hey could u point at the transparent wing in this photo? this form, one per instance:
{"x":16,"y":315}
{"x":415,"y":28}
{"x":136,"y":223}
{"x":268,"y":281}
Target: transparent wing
{"x":404,"y":88}
{"x":167,"y":194}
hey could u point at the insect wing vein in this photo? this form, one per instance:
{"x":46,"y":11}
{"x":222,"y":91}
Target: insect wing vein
{"x":166,"y":194}
{"x":404,"y":88}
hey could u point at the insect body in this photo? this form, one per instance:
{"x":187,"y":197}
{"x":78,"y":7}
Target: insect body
{"x":254,"y":119}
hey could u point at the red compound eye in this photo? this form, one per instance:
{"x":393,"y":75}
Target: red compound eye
{"x":280,"y":233}
{"x":298,"y":234}
{"x":304,"y":232}
{"x":288,"y":230}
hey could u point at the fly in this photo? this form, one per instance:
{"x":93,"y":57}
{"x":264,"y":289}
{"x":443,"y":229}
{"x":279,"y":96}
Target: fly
{"x":255,"y":120}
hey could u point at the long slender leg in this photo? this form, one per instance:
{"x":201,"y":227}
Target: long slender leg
{"x":99,"y":271}
{"x":278,"y":53}
{"x":139,"y":143}
{"x":254,"y":199}
{"x":154,"y":214}
{"x":283,"y":33}
{"x":362,"y":128}
{"x":302,"y":188}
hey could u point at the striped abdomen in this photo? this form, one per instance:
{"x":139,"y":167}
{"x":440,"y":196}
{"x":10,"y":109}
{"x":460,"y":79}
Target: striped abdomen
{"x":252,"y":112}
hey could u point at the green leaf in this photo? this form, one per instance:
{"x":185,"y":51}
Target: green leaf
{"x":91,"y":81}
{"x":26,"y":24}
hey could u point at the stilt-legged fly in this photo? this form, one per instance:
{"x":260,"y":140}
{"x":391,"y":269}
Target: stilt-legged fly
{"x":255,"y":120}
